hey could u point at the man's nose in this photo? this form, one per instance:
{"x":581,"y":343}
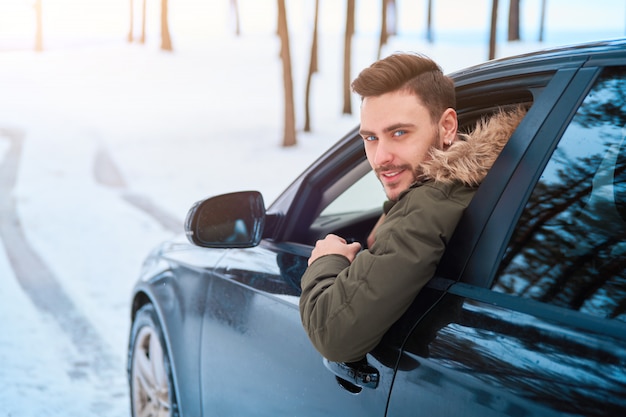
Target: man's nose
{"x":384,"y":153}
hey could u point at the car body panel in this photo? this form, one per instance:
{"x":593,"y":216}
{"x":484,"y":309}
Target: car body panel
{"x":251,"y":306}
{"x":169,"y":280}
{"x":496,"y":355}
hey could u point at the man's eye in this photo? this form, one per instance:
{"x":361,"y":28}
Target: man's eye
{"x":369,"y":138}
{"x":399,"y":133}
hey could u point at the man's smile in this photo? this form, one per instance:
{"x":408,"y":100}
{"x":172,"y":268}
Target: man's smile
{"x":390,"y":174}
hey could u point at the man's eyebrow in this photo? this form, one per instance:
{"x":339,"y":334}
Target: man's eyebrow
{"x":398,"y":126}
{"x":390,"y":128}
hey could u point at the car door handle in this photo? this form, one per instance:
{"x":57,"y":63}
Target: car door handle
{"x":361,"y":374}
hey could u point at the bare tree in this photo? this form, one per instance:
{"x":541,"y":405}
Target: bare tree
{"x":429,"y":22}
{"x":289,"y":133}
{"x":234,"y":7}
{"x":514,"y":20}
{"x":132,"y":19}
{"x":392,"y":17}
{"x":39,"y":27}
{"x":313,"y":68}
{"x":388,"y":23}
{"x":347,"y":57}
{"x":383,"y":28}
{"x":492,"y":33}
{"x":166,"y":40}
{"x":542,"y":21}
{"x":131,"y":29}
{"x":143,"y":22}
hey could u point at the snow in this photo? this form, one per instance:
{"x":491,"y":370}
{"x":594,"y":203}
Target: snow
{"x":115,"y":141}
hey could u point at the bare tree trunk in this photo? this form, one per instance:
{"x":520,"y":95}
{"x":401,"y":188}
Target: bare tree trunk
{"x":392,"y":17}
{"x":347,"y":58}
{"x":384,"y":36}
{"x":234,"y":7}
{"x":39,"y":27}
{"x":542,"y":22}
{"x":313,"y":67}
{"x":429,"y":23}
{"x":492,"y":34}
{"x":388,"y":24}
{"x":289,"y":134}
{"x":166,"y":40}
{"x":143,"y":22}
{"x":132,"y":18}
{"x":514,"y":20}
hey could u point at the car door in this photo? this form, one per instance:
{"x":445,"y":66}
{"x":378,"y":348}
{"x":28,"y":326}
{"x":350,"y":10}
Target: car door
{"x":537,"y":323}
{"x":256,"y":357}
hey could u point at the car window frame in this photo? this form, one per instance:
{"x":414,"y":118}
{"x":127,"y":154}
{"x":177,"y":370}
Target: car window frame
{"x":488,"y":222}
{"x":292,"y":208}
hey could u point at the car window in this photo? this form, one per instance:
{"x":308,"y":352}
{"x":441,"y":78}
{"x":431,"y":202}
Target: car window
{"x":349,"y":207}
{"x":569,"y":247}
{"x":365,"y":194}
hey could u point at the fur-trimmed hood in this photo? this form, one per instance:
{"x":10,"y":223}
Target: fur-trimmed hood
{"x":471,"y":156}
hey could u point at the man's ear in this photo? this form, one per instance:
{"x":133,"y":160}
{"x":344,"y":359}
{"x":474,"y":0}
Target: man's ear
{"x":448,"y":126}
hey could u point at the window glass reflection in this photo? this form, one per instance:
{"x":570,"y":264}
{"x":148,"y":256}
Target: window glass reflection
{"x":569,"y":247}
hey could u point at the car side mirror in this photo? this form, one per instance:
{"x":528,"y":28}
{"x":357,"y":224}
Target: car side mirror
{"x":234,"y":220}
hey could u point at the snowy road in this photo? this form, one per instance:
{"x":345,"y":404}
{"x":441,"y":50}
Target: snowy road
{"x":77,"y":350}
{"x":87,"y":365}
{"x":54,"y":348}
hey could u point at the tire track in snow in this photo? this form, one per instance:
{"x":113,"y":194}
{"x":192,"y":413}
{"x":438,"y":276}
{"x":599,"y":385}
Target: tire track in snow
{"x":106,"y":173}
{"x":38,"y":281}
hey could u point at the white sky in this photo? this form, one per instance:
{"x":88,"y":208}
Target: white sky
{"x":71,"y":18}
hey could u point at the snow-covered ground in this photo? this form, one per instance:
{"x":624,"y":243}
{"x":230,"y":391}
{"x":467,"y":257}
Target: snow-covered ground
{"x":104,"y":145}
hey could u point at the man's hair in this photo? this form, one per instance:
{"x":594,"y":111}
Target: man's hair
{"x":414,"y":73}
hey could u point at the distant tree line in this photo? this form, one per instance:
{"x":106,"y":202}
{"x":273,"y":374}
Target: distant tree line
{"x":388,"y":28}
{"x":166,"y":39}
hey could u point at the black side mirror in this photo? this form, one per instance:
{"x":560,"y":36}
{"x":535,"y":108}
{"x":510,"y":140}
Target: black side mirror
{"x":234,"y":220}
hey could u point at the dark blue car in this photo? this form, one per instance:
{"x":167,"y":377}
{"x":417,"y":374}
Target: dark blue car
{"x":526,"y":315}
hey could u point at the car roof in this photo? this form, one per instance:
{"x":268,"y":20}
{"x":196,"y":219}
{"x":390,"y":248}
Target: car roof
{"x":557,"y":57}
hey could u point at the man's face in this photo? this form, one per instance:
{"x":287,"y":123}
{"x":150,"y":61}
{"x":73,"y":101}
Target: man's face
{"x":397,"y":131}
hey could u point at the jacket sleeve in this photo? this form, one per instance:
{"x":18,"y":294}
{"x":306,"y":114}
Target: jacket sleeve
{"x":346,"y":309}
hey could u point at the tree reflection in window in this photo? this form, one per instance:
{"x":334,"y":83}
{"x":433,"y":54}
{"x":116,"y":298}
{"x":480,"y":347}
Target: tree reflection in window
{"x":569,"y":247}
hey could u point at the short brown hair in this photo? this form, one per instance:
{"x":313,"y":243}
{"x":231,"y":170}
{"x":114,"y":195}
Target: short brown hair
{"x":414,"y":72}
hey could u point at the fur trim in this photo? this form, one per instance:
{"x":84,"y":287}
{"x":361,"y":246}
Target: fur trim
{"x":471,"y":156}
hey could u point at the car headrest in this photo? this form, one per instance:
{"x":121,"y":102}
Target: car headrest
{"x":606,"y":206}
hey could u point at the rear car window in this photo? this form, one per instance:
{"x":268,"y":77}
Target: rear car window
{"x":569,"y":247}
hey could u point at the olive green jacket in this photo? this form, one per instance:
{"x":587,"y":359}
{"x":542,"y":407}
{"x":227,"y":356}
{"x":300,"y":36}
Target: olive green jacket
{"x":347,"y":308}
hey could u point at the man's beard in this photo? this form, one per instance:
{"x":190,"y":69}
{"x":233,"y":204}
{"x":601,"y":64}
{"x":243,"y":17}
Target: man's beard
{"x":418,"y":176}
{"x":388,"y":168}
{"x":418,"y":172}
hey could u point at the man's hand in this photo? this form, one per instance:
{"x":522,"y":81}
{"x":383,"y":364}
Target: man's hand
{"x":333,"y":244}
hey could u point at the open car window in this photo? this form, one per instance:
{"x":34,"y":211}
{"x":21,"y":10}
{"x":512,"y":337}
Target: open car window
{"x":350,"y":207}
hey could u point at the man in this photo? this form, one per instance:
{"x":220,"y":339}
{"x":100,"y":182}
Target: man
{"x":429,"y":174}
